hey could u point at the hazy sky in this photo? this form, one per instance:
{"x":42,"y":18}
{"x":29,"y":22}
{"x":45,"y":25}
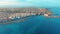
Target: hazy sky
{"x":24,"y":3}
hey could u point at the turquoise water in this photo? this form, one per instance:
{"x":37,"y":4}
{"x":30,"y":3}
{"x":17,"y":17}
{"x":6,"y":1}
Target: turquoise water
{"x":33,"y":25}
{"x":55,"y":10}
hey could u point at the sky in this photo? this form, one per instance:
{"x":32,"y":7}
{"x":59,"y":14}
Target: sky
{"x":28,"y":3}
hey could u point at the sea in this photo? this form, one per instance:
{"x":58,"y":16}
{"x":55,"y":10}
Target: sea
{"x":34,"y":25}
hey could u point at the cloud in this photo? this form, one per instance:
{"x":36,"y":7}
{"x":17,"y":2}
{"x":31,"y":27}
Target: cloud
{"x":7,"y":2}
{"x":14,"y":3}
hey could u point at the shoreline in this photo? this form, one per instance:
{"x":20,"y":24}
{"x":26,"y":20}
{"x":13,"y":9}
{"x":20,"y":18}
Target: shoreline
{"x":53,"y":16}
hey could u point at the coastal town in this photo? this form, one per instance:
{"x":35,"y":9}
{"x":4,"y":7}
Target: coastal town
{"x":22,"y":12}
{"x":7,"y":15}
